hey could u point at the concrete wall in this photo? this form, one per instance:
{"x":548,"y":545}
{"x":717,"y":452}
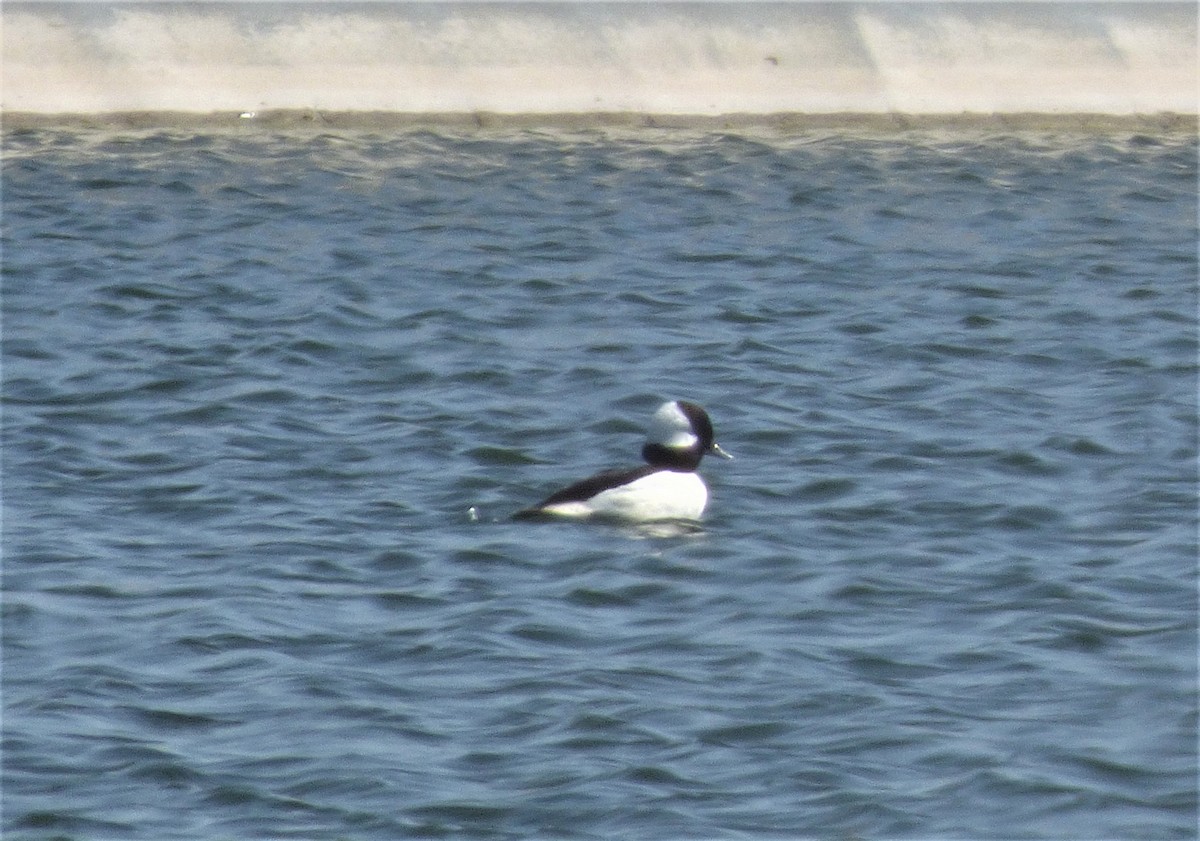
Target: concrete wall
{"x":664,"y":58}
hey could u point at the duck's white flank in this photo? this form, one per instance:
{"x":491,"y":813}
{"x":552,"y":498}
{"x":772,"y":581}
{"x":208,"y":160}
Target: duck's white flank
{"x":664,"y":495}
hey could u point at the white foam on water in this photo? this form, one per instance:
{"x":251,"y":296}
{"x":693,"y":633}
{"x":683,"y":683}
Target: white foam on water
{"x":610,"y":57}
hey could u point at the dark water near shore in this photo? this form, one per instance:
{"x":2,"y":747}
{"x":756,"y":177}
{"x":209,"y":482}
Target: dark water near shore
{"x":253,"y":383}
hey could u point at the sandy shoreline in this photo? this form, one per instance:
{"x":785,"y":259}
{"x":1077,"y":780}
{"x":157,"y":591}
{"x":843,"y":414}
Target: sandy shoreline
{"x":297,"y":119}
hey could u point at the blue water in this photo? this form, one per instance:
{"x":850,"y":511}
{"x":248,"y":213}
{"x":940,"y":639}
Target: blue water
{"x":254,"y":382}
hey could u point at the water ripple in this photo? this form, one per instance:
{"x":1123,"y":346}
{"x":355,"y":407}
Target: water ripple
{"x":270,"y":399}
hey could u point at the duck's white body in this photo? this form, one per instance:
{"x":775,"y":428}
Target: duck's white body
{"x":661,"y":495}
{"x":667,"y":487}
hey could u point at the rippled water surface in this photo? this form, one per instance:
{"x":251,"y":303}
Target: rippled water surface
{"x":254,"y":382}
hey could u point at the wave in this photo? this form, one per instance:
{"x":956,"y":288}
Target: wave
{"x":667,"y":58}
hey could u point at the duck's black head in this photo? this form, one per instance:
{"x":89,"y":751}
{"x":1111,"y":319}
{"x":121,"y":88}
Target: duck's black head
{"x":681,"y":434}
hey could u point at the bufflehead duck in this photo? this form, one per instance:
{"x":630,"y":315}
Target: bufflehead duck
{"x":667,"y":487}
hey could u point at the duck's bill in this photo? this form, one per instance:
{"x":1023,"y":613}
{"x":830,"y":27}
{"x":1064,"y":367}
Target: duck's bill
{"x":717,"y":451}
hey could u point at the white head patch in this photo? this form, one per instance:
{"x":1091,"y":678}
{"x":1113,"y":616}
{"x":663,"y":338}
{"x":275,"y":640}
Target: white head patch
{"x":671,"y":427}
